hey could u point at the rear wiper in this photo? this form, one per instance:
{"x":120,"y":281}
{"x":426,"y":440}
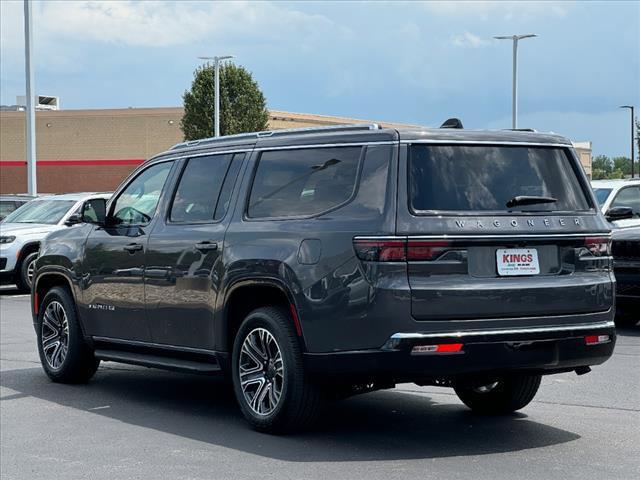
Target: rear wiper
{"x":529,"y":200}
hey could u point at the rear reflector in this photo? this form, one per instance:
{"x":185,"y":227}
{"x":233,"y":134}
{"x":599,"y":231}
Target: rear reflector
{"x":597,"y":339}
{"x":439,"y":348}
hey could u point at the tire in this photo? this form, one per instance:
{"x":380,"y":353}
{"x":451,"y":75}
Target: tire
{"x":507,"y":395}
{"x":25,"y":272}
{"x":299,"y":400}
{"x":58,"y":323}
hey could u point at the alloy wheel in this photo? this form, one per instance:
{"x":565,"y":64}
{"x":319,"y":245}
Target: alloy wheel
{"x":261,"y":371}
{"x":486,"y":388}
{"x":55,"y":334}
{"x":31,"y":270}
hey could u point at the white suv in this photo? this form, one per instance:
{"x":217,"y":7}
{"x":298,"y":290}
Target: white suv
{"x":23,"y":229}
{"x":619,"y":193}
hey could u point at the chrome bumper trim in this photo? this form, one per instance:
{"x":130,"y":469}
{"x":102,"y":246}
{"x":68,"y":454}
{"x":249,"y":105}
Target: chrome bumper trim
{"x":510,"y":331}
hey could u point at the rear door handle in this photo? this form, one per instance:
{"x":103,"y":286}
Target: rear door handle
{"x":206,"y":246}
{"x":133,"y":247}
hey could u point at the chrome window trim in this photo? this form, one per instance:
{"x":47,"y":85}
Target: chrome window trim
{"x":506,"y":331}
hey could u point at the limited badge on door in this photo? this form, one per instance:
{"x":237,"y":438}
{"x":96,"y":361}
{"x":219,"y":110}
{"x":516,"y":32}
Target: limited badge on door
{"x":517,"y":261}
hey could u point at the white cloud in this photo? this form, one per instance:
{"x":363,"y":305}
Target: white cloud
{"x":468,"y":39}
{"x":505,"y":10}
{"x":160,"y":24}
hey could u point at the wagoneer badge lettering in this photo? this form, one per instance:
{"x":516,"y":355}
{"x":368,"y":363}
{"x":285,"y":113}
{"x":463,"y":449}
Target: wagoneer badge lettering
{"x":561,"y":222}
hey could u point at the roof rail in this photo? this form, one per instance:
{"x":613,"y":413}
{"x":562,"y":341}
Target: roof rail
{"x":278,"y":133}
{"x":521,"y":130}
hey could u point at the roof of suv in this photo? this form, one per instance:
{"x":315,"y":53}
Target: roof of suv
{"x":371,"y":132}
{"x":482,"y":136}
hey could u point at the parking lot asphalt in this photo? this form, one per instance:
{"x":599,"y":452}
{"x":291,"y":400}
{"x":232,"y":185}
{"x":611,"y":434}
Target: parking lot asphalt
{"x":138,"y":423}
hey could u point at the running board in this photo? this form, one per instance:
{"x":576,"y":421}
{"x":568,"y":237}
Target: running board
{"x":157,"y":361}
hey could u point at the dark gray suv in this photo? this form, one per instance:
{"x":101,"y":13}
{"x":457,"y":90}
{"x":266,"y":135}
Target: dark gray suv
{"x":315,"y":264}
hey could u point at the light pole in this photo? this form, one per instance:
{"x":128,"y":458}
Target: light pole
{"x":630,"y":107}
{"x":515,"y":39}
{"x":216,"y":109}
{"x":32,"y":187}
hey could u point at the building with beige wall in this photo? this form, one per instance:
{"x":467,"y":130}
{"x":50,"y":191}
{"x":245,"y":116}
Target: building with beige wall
{"x":93,"y":150}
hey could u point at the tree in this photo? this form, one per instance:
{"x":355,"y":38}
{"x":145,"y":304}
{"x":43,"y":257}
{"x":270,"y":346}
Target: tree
{"x":623,"y":164}
{"x":601,"y":167}
{"x":242,"y":104}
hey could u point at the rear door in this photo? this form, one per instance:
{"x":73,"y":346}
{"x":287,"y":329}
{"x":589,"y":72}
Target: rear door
{"x":500,"y":232}
{"x":184,"y":252}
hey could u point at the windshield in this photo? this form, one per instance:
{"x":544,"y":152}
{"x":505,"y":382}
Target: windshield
{"x":602,"y":194}
{"x":40,"y":211}
{"x":493,"y":178}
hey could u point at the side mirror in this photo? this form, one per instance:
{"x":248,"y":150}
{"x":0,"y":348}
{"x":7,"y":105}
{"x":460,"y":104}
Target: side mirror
{"x":619,"y":213}
{"x":94,"y":211}
{"x":73,"y":220}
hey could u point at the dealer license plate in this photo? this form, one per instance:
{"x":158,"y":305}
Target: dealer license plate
{"x":517,"y":261}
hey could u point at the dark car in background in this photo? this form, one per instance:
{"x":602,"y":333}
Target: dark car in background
{"x":9,"y":203}
{"x":317,"y":263}
{"x":626,"y":264}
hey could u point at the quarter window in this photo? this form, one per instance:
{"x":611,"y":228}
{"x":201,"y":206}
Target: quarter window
{"x":303,"y":182}
{"x":199,"y":189}
{"x":138,"y":201}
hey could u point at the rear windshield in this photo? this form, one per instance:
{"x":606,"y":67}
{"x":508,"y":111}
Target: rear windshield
{"x":487,"y":178}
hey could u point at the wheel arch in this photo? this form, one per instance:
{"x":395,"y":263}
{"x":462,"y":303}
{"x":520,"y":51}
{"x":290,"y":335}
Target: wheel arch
{"x":247,"y":295}
{"x":27,"y":249}
{"x":44,"y":282}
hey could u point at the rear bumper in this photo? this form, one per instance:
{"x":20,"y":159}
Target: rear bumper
{"x":542,"y":350}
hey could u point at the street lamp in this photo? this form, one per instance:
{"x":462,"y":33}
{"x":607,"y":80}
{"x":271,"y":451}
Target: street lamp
{"x":216,"y":109}
{"x":32,"y":176}
{"x":630,"y":107}
{"x":515,"y":39}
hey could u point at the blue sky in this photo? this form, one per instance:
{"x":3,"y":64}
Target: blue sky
{"x":415,"y":62}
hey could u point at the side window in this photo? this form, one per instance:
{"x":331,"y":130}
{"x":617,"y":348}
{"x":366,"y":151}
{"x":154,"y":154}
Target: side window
{"x":628,"y":197}
{"x":137,"y":202}
{"x":199,"y":188}
{"x":303,"y":182}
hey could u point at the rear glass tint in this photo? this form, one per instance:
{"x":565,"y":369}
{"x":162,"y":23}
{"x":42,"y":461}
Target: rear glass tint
{"x":485,"y":178}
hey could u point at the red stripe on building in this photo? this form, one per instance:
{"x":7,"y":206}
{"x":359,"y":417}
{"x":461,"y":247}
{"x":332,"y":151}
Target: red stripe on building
{"x":73,"y":163}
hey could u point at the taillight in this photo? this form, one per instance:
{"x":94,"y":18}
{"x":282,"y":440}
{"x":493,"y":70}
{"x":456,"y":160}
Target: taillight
{"x":598,"y":246}
{"x":597,"y":339}
{"x":437,"y":348}
{"x":426,"y":249}
{"x":380,"y":250}
{"x":398,"y":249}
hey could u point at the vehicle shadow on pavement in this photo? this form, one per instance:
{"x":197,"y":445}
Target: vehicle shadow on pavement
{"x":385,"y":425}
